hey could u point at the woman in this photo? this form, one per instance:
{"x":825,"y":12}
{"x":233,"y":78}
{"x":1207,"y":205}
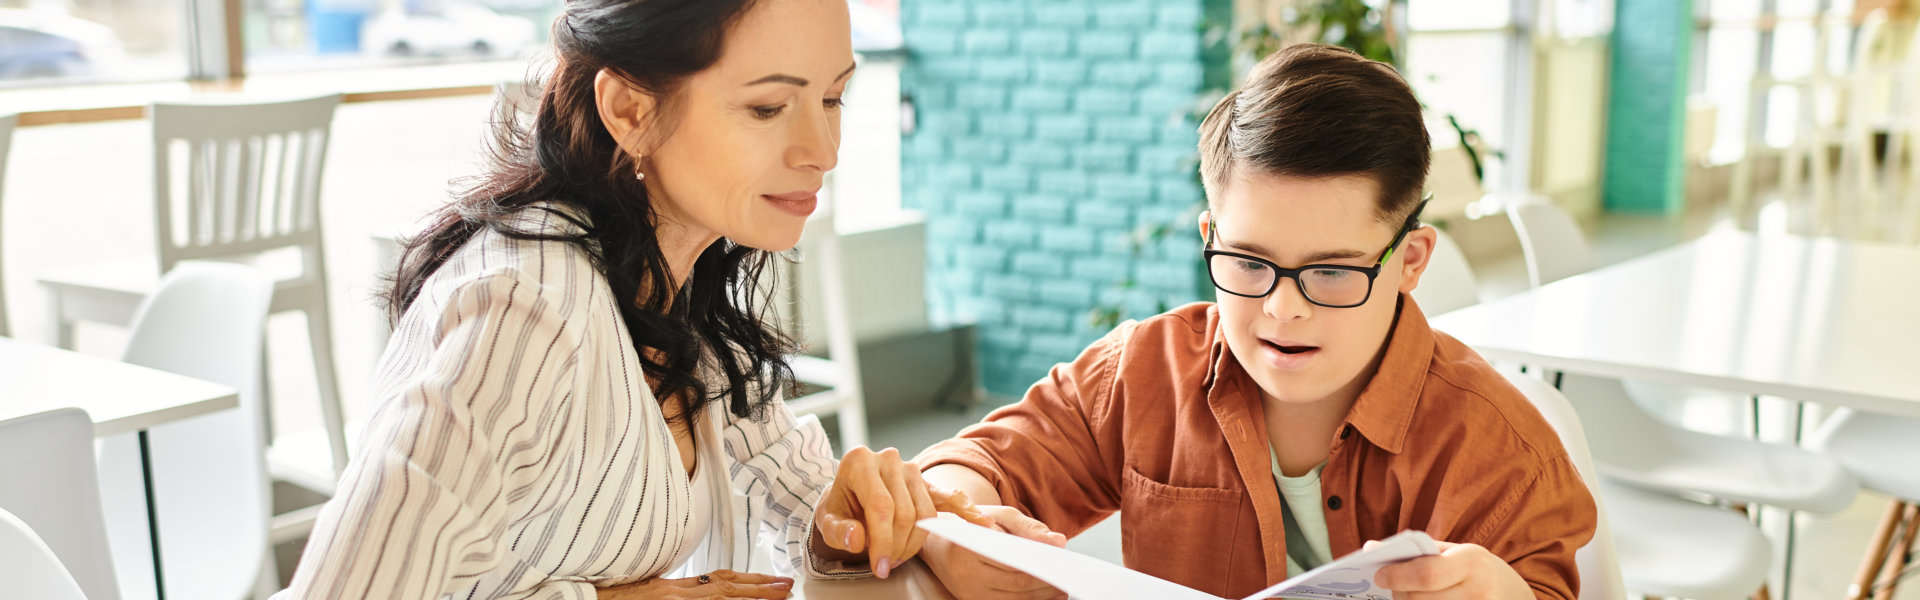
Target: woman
{"x":581,"y":398}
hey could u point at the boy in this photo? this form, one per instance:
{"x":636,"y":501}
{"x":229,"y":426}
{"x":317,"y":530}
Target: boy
{"x":1310,"y":409}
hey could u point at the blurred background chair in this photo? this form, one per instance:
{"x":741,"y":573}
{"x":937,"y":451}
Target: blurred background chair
{"x":1879,"y":449}
{"x":1648,"y":543}
{"x":232,"y":182}
{"x":1448,"y":283}
{"x":7,"y":123}
{"x":32,"y":569}
{"x":47,"y":462}
{"x":206,"y":321}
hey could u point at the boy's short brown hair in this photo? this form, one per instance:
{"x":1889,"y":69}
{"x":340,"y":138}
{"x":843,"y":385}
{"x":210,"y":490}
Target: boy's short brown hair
{"x":1314,"y":110}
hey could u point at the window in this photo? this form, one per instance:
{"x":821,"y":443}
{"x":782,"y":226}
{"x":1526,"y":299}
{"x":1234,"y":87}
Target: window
{"x":285,"y":35}
{"x":83,"y":41}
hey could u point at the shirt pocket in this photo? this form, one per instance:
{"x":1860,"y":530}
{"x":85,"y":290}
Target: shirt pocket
{"x":1180,"y":534}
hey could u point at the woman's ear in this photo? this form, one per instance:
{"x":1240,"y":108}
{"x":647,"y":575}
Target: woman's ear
{"x":624,"y":111}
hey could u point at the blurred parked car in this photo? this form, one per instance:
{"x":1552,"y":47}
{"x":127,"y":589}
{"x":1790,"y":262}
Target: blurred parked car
{"x":36,"y":43}
{"x":454,"y":29}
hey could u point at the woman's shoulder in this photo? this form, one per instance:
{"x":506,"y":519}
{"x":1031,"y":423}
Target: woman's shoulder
{"x":554,"y":268}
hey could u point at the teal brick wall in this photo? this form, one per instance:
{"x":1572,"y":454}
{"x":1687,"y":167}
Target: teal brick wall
{"x":1047,"y":133}
{"x":1647,"y":106}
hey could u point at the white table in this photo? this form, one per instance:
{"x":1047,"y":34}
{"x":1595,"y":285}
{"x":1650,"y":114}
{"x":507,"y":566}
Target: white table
{"x":1814,"y":320}
{"x":912,"y":581}
{"x":118,"y":396}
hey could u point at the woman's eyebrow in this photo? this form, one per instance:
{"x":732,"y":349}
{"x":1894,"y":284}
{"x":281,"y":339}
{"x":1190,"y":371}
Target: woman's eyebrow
{"x":792,"y":80}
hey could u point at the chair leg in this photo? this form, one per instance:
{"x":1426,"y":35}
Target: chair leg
{"x":62,"y":328}
{"x":1900,"y":555}
{"x":1876,"y":552}
{"x":320,"y":332}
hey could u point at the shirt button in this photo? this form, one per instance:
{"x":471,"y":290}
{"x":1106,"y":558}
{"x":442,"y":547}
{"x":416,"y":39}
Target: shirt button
{"x":1333,"y":502}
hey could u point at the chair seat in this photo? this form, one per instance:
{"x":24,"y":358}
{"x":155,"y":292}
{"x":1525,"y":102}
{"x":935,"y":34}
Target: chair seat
{"x":1633,"y":448}
{"x":1867,"y":444}
{"x":97,"y":291}
{"x":1675,"y":548}
{"x":813,"y":370}
{"x":1741,"y":471}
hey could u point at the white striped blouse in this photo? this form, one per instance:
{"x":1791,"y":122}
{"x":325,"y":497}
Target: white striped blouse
{"x":517,"y":452}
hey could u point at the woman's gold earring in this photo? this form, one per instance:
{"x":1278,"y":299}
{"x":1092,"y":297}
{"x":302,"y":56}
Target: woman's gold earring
{"x":637,"y":175}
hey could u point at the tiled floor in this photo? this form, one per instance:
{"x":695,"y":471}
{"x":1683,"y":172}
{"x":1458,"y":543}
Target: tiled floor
{"x":81,"y":192}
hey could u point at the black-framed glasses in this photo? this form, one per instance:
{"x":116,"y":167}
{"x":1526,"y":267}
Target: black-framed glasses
{"x":1331,"y":286}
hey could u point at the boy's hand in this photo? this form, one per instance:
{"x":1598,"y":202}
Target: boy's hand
{"x":968,"y":576}
{"x":1463,"y":571}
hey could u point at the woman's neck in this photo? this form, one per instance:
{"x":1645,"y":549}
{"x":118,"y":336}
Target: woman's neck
{"x":681,"y":244}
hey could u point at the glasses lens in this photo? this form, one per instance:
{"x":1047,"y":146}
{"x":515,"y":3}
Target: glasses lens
{"x":1336,"y":287}
{"x":1237,"y":275}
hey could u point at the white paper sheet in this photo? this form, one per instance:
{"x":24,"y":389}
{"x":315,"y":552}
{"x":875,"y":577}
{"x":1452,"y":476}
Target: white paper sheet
{"x":1084,"y":577}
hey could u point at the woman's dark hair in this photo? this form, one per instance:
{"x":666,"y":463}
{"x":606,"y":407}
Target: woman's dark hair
{"x":567,"y":157}
{"x":1312,"y":111}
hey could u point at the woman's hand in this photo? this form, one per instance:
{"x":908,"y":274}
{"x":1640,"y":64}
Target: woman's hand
{"x":968,"y":576}
{"x":716,"y":585}
{"x":873,"y":505}
{"x":1459,"y":571}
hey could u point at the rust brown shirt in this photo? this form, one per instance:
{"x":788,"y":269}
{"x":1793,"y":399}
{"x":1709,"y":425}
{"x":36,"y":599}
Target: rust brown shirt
{"x":1157,"y":420}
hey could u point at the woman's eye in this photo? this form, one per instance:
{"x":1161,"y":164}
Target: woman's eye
{"x":767,"y":112}
{"x":835,"y":103}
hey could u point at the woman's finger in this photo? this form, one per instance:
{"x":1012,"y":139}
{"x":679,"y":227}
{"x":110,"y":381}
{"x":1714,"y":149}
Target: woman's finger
{"x":894,"y":473}
{"x":728,"y":584}
{"x":839,"y":530}
{"x":922,"y":504}
{"x":875,"y":509}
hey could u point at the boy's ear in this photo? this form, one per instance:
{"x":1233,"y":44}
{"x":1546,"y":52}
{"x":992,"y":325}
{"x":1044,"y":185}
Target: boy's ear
{"x":1414,"y":257}
{"x":1205,"y":217}
{"x":624,"y":111}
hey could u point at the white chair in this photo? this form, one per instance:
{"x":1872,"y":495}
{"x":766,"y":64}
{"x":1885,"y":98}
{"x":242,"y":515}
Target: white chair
{"x":6,"y":141}
{"x":1878,"y":449}
{"x":1452,"y":182}
{"x":1550,"y":240}
{"x":206,"y":321}
{"x":46,"y":462}
{"x":32,"y":569}
{"x":1645,"y":452}
{"x":232,"y":182}
{"x":839,"y":371}
{"x":1448,"y":283}
{"x":1599,"y":561}
{"x":1649,"y":543}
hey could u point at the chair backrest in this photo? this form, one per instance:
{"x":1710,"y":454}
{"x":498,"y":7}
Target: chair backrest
{"x":6,"y":142}
{"x":239,"y":179}
{"x":1598,"y":561}
{"x":1448,"y":283}
{"x":32,"y":569}
{"x":1452,"y":181}
{"x":46,"y":462}
{"x":1550,"y":240}
{"x":207,"y":321}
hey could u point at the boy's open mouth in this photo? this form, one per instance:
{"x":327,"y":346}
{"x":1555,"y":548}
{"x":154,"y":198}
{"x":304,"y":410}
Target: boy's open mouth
{"x":1290,"y":349}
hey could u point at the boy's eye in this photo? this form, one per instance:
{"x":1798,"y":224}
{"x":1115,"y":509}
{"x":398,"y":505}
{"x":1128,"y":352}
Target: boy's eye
{"x":767,"y":112}
{"x":1331,"y":274}
{"x":1250,"y":266}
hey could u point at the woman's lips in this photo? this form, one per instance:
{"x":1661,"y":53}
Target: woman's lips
{"x":796,"y":203}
